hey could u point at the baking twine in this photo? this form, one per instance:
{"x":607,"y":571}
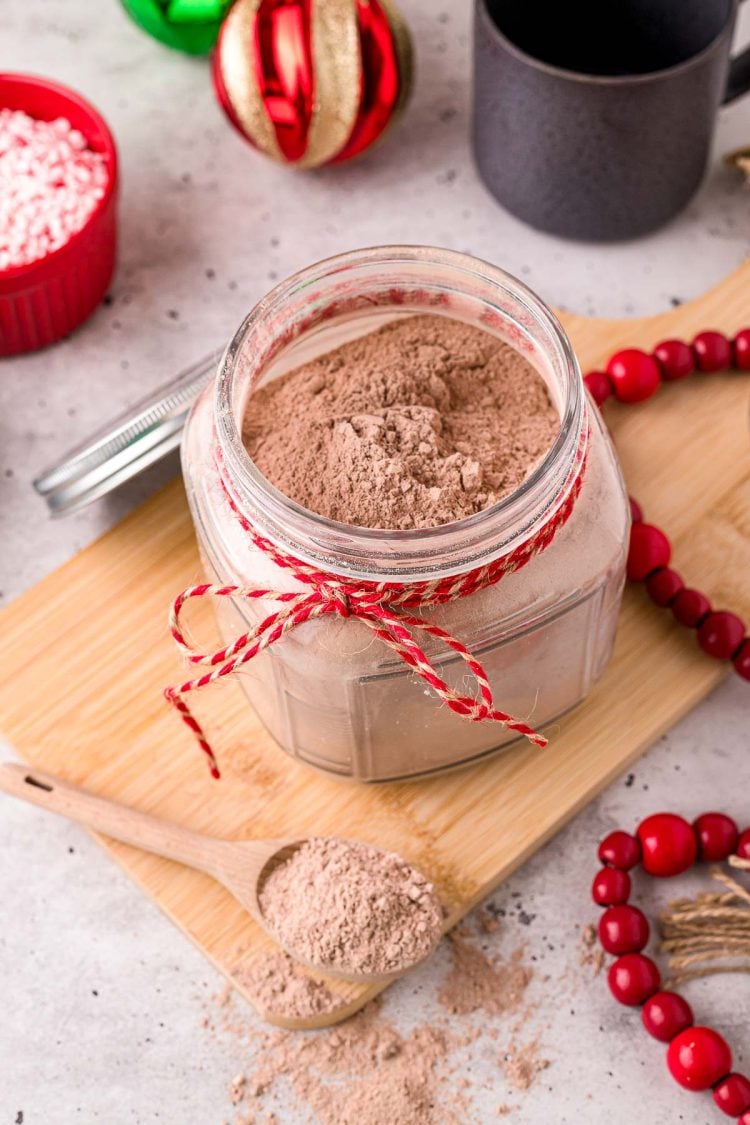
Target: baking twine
{"x":381,"y":606}
{"x":715,"y":926}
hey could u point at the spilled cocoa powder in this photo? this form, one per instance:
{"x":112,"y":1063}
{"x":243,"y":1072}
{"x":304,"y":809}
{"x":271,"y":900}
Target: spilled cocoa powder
{"x":366,"y":1072}
{"x":348,"y":906}
{"x":424,"y":421}
{"x":281,"y":988}
{"x":522,"y":1063}
{"x":477,"y":981}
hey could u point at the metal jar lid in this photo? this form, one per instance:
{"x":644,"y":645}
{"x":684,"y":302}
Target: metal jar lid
{"x":127,"y":445}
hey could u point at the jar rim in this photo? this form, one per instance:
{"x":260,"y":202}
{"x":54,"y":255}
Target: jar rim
{"x":383,"y":553}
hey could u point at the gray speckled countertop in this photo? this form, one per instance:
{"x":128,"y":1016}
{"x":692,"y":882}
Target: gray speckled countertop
{"x":103,"y":1000}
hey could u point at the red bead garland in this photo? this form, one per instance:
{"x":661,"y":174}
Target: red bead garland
{"x":732,"y":1094}
{"x":632,"y":375}
{"x":713,"y":352}
{"x":675,"y":359}
{"x":717,"y":836}
{"x":663,"y":586}
{"x":610,"y":887}
{"x":668,"y":845}
{"x":633,"y":978}
{"x":741,"y":349}
{"x":698,"y":1057}
{"x":623,"y":929}
{"x":721,"y":634}
{"x":620,"y":850}
{"x":666,"y":1014}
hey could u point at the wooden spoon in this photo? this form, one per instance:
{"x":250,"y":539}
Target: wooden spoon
{"x":240,"y":865}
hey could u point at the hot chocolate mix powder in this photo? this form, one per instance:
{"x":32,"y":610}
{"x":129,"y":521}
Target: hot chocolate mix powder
{"x":425,"y":421}
{"x":346,"y":905}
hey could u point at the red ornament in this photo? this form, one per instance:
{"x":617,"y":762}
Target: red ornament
{"x":741,"y":660}
{"x":743,"y":845}
{"x":620,"y":850}
{"x":721,"y":634}
{"x":713,"y":352}
{"x":623,"y":929}
{"x":698,"y":1058}
{"x":745,"y":1119}
{"x":610,"y":887}
{"x":649,"y":549}
{"x":732,"y":1095}
{"x":717,"y":836}
{"x":635,"y":375}
{"x":666,"y":1014}
{"x":663,"y":586}
{"x":742,"y":350}
{"x":633,"y":978}
{"x":675,"y":359}
{"x":599,"y":386}
{"x":312,"y":82}
{"x":668,"y":844}
{"x":690,"y":607}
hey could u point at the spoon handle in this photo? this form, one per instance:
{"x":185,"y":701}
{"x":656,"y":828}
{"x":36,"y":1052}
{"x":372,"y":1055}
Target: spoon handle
{"x":121,"y":823}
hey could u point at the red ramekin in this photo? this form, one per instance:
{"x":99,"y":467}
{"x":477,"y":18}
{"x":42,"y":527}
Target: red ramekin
{"x":45,"y":300}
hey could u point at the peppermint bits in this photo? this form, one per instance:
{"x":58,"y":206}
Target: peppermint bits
{"x":50,"y":184}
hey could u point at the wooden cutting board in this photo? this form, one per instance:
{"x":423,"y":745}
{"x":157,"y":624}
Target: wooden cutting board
{"x":86,"y":653}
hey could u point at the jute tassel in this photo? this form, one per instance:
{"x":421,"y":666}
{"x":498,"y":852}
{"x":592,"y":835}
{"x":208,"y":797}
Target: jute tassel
{"x":714,"y":927}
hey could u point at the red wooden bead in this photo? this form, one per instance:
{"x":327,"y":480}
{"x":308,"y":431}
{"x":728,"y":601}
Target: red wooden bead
{"x":636,"y":512}
{"x":635,"y":375}
{"x":698,"y":1058}
{"x":713,"y":352}
{"x":633,"y":978}
{"x":675,"y":358}
{"x":745,"y":1119}
{"x":599,"y":386}
{"x":690,"y":607}
{"x":666,"y":1014}
{"x":717,"y":836}
{"x":620,"y":850}
{"x":610,"y":887}
{"x":663,"y":586}
{"x":743,"y":845}
{"x":668,"y":844}
{"x":721,"y":634}
{"x":623,"y":929}
{"x":741,"y":660}
{"x":742,"y":350}
{"x":649,"y":550}
{"x":732,"y":1095}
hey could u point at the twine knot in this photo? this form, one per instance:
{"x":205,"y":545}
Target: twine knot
{"x":337,"y":597}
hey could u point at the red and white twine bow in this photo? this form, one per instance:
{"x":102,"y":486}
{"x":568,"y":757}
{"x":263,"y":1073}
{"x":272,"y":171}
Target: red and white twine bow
{"x":384,"y":607}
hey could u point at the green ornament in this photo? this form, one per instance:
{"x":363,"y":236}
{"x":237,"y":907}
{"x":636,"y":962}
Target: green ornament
{"x":187,"y":25}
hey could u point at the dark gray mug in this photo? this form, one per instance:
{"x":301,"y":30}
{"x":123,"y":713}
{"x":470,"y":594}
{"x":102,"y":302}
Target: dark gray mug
{"x":593,"y":119}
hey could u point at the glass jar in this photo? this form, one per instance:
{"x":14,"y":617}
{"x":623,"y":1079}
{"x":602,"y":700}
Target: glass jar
{"x":331,"y":694}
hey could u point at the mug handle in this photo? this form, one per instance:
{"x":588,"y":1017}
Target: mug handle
{"x":738,"y":82}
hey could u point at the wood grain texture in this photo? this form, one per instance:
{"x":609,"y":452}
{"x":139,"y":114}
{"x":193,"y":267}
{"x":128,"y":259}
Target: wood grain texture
{"x":86,"y":653}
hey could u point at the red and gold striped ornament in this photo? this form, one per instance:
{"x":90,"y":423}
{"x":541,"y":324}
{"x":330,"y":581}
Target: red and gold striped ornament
{"x":312,"y":82}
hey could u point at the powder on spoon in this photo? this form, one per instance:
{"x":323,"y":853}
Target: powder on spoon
{"x":424,"y":421}
{"x":350,"y":907}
